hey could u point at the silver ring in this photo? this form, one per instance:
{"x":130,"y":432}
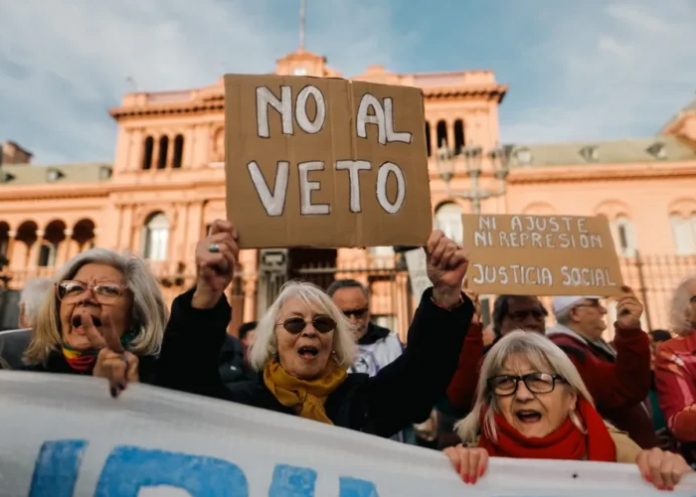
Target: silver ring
{"x":214,"y":248}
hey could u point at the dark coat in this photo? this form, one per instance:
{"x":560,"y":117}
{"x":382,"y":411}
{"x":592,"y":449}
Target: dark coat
{"x":13,"y":343}
{"x":56,"y":363}
{"x":402,"y":393}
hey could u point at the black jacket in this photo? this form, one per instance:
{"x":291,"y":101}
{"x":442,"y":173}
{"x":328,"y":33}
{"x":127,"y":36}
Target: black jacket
{"x":402,"y":393}
{"x":56,"y":363}
{"x":13,"y":343}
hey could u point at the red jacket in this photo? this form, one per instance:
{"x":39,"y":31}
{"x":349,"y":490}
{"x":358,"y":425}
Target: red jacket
{"x":675,"y":379}
{"x":618,"y":384}
{"x":462,"y":388}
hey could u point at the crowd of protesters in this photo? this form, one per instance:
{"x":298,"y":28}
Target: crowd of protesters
{"x":528,"y":391}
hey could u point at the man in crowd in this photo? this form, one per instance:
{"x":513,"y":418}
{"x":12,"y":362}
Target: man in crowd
{"x":14,"y":342}
{"x":518,"y":312}
{"x":618,"y":378}
{"x":234,"y":355}
{"x":377,"y":346}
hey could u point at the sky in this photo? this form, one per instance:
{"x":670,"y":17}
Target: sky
{"x":576,"y":70}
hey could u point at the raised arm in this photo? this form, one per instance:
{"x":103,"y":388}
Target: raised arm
{"x":196,"y":329}
{"x":405,"y":391}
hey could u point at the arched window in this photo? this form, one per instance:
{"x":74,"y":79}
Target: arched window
{"x":427,"y":137}
{"x":163,"y":146}
{"x":624,"y":236}
{"x":448,"y":218}
{"x":684,"y":231}
{"x":47,"y":254}
{"x":178,"y":151}
{"x":441,"y":134}
{"x":147,"y":152}
{"x":54,"y":235}
{"x":83,"y":234}
{"x":458,"y":136}
{"x":156,"y":237}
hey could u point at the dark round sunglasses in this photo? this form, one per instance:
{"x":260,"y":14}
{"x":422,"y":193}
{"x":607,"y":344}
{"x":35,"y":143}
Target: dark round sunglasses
{"x":323,"y":324}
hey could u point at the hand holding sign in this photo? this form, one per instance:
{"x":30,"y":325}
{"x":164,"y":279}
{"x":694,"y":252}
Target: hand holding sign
{"x":447,"y":264}
{"x":469,"y":462}
{"x":216,"y":257}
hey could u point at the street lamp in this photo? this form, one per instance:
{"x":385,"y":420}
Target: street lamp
{"x":447,"y":160}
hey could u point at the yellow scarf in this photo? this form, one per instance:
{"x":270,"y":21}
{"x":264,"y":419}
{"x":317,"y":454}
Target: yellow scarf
{"x":306,"y":398}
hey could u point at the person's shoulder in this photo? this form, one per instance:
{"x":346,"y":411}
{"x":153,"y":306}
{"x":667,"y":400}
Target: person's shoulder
{"x":679,"y":345}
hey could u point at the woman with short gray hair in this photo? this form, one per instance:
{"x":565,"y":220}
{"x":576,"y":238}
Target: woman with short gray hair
{"x":106,"y":317}
{"x":532,"y":403}
{"x":304,"y":345}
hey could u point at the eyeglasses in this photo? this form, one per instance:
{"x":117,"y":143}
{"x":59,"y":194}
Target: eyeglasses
{"x":323,"y":324}
{"x":358,"y":313}
{"x":70,"y":291}
{"x":524,"y":314}
{"x":506,"y":385}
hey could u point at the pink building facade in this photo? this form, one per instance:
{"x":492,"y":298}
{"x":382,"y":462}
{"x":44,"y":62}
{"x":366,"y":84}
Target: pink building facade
{"x":166,"y":185}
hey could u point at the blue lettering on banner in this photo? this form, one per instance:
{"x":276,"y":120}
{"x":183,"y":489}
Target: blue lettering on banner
{"x":291,"y":481}
{"x":128,"y":469}
{"x":55,"y":471}
{"x":352,"y":487}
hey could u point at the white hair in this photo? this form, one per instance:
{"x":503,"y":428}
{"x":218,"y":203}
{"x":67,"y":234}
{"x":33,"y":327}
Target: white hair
{"x":542,"y":354}
{"x":33,"y":294}
{"x":266,"y":345}
{"x":148,"y":313}
{"x":683,"y":322}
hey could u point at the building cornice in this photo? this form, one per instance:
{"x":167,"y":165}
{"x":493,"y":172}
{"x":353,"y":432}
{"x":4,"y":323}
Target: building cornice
{"x":605,"y":173}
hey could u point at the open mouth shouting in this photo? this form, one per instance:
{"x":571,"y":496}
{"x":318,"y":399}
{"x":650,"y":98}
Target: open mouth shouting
{"x":308,"y":352}
{"x":76,"y":322}
{"x":528,"y":416}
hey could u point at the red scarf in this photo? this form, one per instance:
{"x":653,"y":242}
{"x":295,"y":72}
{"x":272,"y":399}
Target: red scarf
{"x":566,"y":442}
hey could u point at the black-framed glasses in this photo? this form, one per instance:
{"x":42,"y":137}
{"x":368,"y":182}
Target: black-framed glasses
{"x":323,"y":324}
{"x":70,"y":291}
{"x":358,"y":313}
{"x":506,"y":384}
{"x":524,"y":314}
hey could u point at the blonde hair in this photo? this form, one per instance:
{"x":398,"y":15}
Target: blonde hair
{"x":266,"y":345}
{"x":148,"y":312}
{"x":679,"y":307}
{"x":542,"y":354}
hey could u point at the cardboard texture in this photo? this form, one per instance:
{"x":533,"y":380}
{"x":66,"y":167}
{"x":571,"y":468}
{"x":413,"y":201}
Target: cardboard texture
{"x":299,"y":135}
{"x":541,"y":255}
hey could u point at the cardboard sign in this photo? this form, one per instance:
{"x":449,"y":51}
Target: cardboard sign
{"x":541,"y":255}
{"x":325,"y":162}
{"x":64,"y":436}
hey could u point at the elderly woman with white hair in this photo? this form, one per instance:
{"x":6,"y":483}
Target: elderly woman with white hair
{"x":304,"y":346}
{"x":675,"y":368}
{"x":105,"y":317}
{"x":532,"y":403}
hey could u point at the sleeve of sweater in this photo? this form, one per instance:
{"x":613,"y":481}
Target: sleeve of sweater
{"x":677,"y":394}
{"x":191,"y":347}
{"x":625,"y":382}
{"x":405,"y":391}
{"x":462,"y":387}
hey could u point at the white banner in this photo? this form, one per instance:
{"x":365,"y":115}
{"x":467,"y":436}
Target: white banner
{"x":64,"y":436}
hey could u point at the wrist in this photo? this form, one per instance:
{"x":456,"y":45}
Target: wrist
{"x":204,"y":298}
{"x":447,"y":298}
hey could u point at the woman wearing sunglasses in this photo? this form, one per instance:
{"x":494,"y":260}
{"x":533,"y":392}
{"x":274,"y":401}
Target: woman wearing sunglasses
{"x":532,"y":403}
{"x":304,"y":346}
{"x":106,"y":317}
